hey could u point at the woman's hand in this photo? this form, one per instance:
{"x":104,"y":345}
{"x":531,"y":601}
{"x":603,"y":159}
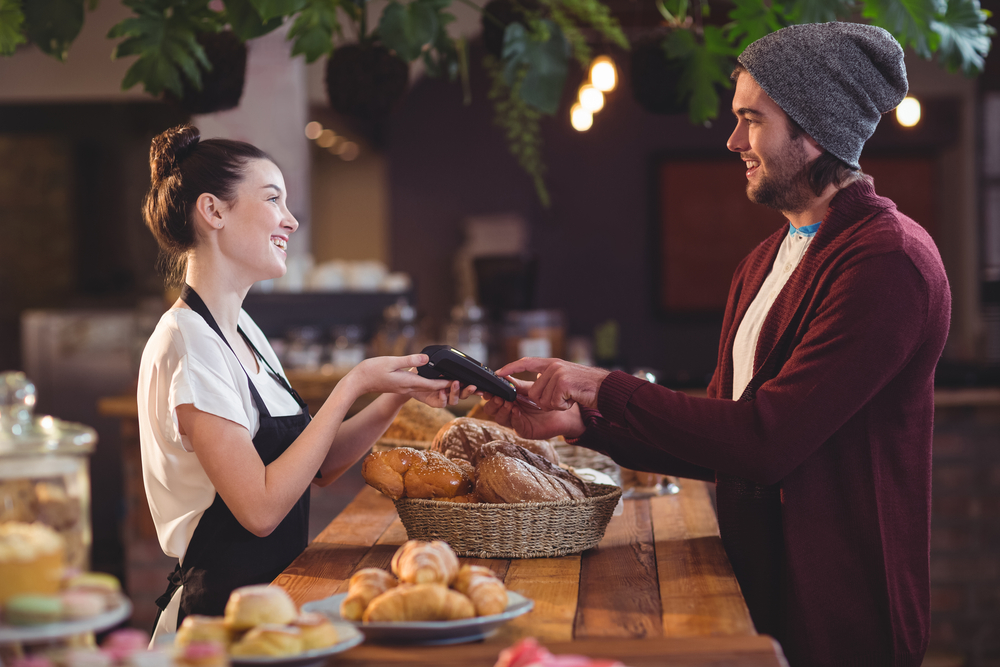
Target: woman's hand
{"x":531,"y":423}
{"x":445,"y":397}
{"x":392,"y":375}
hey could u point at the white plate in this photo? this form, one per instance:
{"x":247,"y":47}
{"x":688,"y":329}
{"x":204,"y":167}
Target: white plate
{"x":10,"y":634}
{"x":349,"y":638}
{"x":428,"y":632}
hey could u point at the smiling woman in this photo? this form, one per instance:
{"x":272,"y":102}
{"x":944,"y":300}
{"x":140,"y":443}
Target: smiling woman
{"x":228,"y":447}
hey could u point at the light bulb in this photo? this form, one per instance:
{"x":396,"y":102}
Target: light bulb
{"x":908,"y":112}
{"x":603,"y":74}
{"x":580,"y":118}
{"x":591,"y":98}
{"x":313,"y":130}
{"x":326,"y":138}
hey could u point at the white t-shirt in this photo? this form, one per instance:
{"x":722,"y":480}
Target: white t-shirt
{"x":186,"y":362}
{"x":793,"y":247}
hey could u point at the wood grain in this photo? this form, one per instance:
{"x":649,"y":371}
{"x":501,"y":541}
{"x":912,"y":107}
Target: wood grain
{"x":623,"y":561}
{"x":698,"y":590}
{"x":553,"y":583}
{"x":745,"y":651}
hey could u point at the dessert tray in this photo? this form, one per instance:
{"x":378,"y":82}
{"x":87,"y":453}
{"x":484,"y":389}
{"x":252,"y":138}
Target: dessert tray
{"x":428,"y":633}
{"x":10,"y":634}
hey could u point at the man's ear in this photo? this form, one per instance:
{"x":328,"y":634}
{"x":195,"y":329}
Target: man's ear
{"x":208,"y":210}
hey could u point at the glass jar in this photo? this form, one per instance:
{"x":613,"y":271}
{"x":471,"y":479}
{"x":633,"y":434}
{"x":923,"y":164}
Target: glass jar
{"x":44,"y":474}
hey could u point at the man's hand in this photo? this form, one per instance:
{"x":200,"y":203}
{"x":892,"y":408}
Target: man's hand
{"x":531,"y":423}
{"x":560,"y":384}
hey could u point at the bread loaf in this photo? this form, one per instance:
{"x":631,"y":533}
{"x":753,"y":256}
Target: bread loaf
{"x":532,"y":459}
{"x":435,"y":477}
{"x":419,"y":562}
{"x":419,"y":602}
{"x":384,"y":470}
{"x":505,"y":479}
{"x":417,"y":421}
{"x":462,"y":438}
{"x":365,"y":585}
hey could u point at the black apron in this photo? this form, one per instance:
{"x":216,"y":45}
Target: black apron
{"x":222,"y":554}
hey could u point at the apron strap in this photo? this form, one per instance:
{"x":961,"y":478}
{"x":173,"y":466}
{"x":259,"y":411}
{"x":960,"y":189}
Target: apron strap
{"x":191,"y":298}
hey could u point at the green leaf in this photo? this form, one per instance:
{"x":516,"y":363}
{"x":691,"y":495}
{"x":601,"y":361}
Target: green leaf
{"x":407,"y":30}
{"x":706,"y":65}
{"x":908,"y":21}
{"x":270,"y":9}
{"x":545,"y":64}
{"x":163,"y":34}
{"x":819,"y":11}
{"x":245,"y":20}
{"x":52,"y":25}
{"x":11,"y":21}
{"x":313,"y":30}
{"x":751,"y":20}
{"x":965,"y":36}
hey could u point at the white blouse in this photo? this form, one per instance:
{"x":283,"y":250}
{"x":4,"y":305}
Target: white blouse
{"x":186,"y":362}
{"x":792,"y":249}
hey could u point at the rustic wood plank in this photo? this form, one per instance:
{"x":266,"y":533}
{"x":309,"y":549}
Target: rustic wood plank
{"x":698,"y":590}
{"x":553,"y":583}
{"x":624,"y":562}
{"x":739,"y":651}
{"x":362,"y":522}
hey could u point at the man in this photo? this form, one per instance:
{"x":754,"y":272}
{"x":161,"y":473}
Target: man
{"x":818,"y":423}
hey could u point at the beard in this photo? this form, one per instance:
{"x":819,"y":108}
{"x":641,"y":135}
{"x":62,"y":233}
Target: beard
{"x":785,"y":186}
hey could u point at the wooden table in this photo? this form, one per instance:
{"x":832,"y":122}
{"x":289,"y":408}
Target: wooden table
{"x":657,"y":590}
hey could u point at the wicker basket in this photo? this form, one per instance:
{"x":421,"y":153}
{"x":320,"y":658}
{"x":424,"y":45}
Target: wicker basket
{"x":515,"y":530}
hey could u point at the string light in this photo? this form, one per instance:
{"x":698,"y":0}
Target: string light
{"x":908,"y":112}
{"x":580,"y":118}
{"x":591,"y":98}
{"x":603,"y":74}
{"x":313,"y":130}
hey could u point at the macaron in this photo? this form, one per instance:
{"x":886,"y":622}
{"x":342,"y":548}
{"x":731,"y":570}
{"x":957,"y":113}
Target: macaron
{"x":82,"y":604}
{"x":32,"y":609}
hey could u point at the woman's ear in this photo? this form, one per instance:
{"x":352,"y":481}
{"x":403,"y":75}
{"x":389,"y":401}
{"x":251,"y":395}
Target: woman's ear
{"x":208,"y":210}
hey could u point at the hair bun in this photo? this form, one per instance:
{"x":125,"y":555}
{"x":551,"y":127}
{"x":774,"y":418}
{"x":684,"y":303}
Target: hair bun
{"x":170,"y":148}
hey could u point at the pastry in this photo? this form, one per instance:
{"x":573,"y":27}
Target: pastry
{"x":198,"y":628}
{"x":82,"y":604}
{"x":436,"y":477}
{"x":419,"y":562}
{"x":417,"y":421}
{"x":250,"y":606}
{"x":419,"y":602}
{"x":32,"y":559}
{"x":363,"y":587}
{"x":101,"y":583}
{"x":316,"y":631}
{"x":269,"y":639}
{"x":462,"y":438}
{"x":505,"y":479}
{"x":32,"y":609}
{"x":384,"y":470}
{"x":122,"y":644}
{"x":483,"y":587}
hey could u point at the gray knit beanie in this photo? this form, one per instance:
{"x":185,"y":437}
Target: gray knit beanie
{"x":834,"y":79}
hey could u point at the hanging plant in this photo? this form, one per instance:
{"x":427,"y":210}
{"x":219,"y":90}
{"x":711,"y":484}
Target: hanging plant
{"x":222,"y":83}
{"x":365,"y":80}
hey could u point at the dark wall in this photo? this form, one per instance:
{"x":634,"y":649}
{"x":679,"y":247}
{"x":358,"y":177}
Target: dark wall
{"x":448,"y":162}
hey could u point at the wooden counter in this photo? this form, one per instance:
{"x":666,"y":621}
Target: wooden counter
{"x":657,"y":590}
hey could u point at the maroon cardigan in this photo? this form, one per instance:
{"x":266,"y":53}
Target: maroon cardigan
{"x":823,"y":468}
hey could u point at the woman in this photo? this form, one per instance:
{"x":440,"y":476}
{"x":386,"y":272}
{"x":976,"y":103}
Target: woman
{"x":228,"y":447}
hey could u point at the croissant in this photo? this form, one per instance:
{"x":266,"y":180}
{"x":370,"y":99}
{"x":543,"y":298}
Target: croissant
{"x":419,"y":562}
{"x":481,"y":585}
{"x":365,"y":585}
{"x":419,"y":602}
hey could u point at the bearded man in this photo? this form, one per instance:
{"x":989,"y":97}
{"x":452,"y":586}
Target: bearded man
{"x":818,"y":423}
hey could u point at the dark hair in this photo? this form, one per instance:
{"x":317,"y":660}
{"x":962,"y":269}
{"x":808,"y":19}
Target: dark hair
{"x":825,"y":169}
{"x":182,"y":168}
